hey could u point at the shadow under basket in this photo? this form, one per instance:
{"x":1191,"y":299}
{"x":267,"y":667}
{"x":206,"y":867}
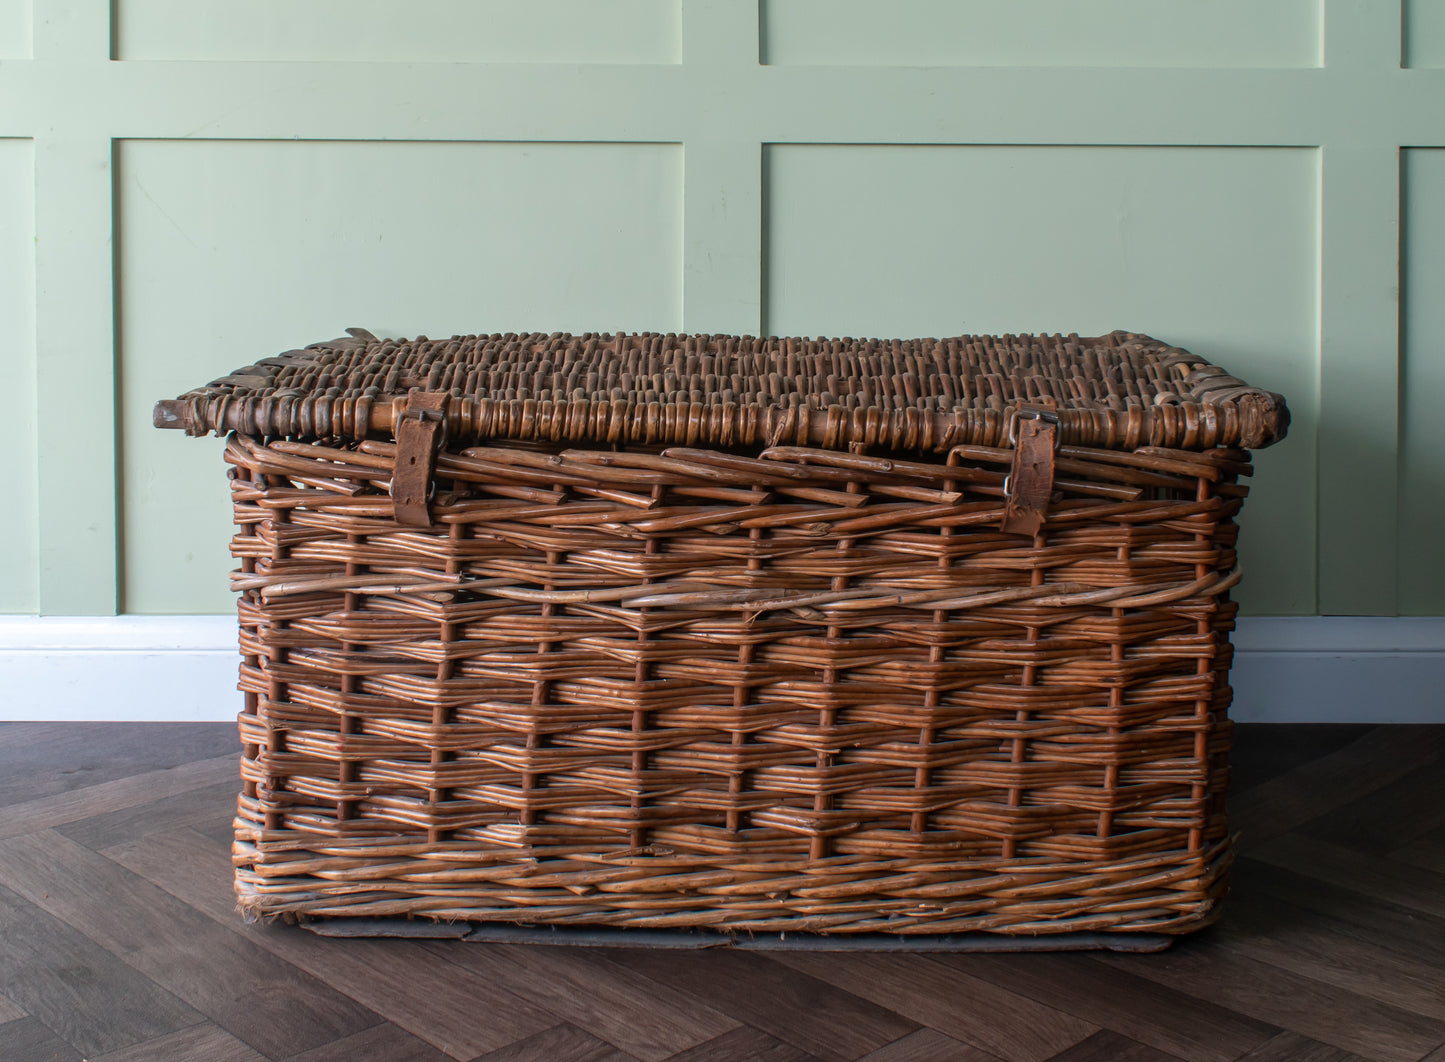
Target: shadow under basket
{"x":742,"y":637}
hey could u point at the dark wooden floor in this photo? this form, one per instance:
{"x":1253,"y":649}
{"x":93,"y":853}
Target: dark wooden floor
{"x":118,"y":942}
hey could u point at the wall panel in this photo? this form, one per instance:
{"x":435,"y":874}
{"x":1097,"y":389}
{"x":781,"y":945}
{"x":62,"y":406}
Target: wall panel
{"x":1422,"y":387}
{"x":1215,"y":249}
{"x":18,"y":531}
{"x":1150,"y":33}
{"x":228,"y":249}
{"x":1424,"y":33}
{"x":436,"y":31}
{"x":14,"y":29}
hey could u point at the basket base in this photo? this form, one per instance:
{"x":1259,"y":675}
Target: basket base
{"x":686,"y":939}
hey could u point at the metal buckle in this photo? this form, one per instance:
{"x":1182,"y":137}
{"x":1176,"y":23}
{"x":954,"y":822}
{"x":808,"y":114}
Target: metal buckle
{"x":421,"y":416}
{"x":1048,"y":416}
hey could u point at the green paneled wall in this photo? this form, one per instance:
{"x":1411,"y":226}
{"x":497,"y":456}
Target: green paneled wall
{"x":185,"y":187}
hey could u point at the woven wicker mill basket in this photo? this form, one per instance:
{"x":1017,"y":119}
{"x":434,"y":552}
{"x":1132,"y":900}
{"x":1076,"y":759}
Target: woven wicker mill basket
{"x":844,"y":636}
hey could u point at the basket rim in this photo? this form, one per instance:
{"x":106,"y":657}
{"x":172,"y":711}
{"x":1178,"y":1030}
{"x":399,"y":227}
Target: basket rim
{"x":1122,"y":390}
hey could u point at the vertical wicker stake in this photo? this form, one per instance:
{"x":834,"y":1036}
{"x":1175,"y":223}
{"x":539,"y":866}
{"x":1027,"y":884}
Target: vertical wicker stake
{"x":242,"y":483}
{"x":922,"y":775}
{"x":346,"y":768}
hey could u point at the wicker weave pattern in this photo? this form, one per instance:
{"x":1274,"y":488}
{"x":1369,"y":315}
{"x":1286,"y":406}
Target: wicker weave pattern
{"x":804,"y":690}
{"x":1115,"y":391}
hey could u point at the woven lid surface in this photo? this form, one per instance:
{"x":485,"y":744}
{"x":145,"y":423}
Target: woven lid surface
{"x":1118,"y":391}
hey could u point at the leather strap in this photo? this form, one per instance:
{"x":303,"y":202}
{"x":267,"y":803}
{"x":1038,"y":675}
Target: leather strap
{"x":1031,"y":479}
{"x":420,"y":433}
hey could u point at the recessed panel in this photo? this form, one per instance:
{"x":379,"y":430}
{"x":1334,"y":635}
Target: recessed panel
{"x":19,"y":559}
{"x":15,"y":29}
{"x":1424,"y":33}
{"x":15,"y":33}
{"x":437,"y":31}
{"x":1148,"y":33}
{"x":1422,"y":387}
{"x":1212,"y":249}
{"x":230,"y":251}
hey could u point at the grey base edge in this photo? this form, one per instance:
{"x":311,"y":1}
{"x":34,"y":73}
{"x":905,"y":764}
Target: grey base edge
{"x":686,"y":939}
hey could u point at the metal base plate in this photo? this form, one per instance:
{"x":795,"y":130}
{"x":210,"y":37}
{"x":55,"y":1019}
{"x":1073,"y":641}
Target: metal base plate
{"x":689,"y":939}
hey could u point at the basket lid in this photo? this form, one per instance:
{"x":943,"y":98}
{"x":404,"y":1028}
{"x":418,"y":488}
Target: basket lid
{"x":1118,"y":391}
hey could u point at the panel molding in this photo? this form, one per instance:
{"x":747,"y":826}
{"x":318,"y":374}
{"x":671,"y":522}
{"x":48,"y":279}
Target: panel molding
{"x":1305,"y":669}
{"x":19,"y":535}
{"x":1359,"y":379}
{"x":1424,"y":33}
{"x":430,"y":31}
{"x":75,"y":376}
{"x":1034,"y":33}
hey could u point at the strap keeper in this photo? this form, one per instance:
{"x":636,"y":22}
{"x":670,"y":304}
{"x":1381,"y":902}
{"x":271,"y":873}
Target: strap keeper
{"x":1029,"y":485}
{"x":421,"y":431}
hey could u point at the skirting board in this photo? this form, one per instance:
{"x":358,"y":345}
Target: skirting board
{"x":1306,"y":669}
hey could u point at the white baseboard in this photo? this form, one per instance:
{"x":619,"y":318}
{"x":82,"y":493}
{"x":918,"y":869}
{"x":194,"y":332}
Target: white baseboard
{"x":1306,"y":669}
{"x":1339,"y":669}
{"x":152,"y":668}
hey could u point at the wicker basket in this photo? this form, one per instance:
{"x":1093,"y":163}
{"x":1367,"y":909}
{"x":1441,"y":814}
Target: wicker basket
{"x":917,"y":637}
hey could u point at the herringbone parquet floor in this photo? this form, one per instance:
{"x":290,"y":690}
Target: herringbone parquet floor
{"x":118,"y":942}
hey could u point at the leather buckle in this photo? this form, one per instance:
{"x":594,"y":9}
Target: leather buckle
{"x":421,"y":431}
{"x":1034,"y":434}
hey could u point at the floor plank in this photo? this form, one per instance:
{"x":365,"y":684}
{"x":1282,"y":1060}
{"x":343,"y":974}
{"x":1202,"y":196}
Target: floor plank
{"x":1292,"y":1047}
{"x":1174,"y":1022}
{"x":1427,"y":853}
{"x":1375,"y":759}
{"x":747,"y":1043}
{"x":562,"y":1043}
{"x":1109,"y":1046}
{"x":1262,"y":751}
{"x":805,"y":1011}
{"x":1279,"y":997}
{"x":1273,"y":931}
{"x":944,"y":997}
{"x":10,"y":1011}
{"x":201,"y":807}
{"x":199,"y":1043}
{"x":928,"y":1045}
{"x":1388,"y":818}
{"x":380,"y":1043}
{"x":83,"y":993}
{"x":27,"y":1040}
{"x":1355,"y":914}
{"x":1419,"y":890}
{"x":45,"y":812}
{"x":194,"y":868}
{"x":256,"y":997}
{"x":41,"y":760}
{"x":648,"y":1020}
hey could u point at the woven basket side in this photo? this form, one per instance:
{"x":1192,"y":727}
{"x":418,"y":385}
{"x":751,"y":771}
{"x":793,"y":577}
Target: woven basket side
{"x":805,"y":690}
